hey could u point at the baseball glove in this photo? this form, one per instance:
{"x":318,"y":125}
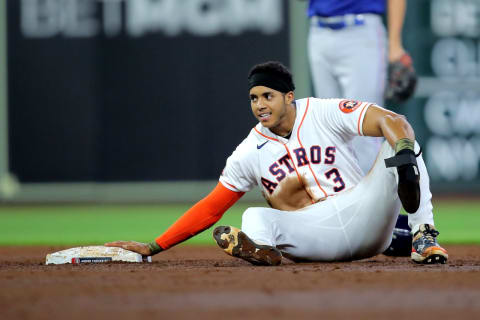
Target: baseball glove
{"x":402,"y":79}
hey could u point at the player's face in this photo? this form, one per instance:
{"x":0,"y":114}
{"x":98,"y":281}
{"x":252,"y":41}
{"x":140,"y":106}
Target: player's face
{"x":270,"y":107}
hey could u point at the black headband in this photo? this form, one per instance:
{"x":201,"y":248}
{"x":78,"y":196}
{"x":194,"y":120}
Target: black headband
{"x":270,"y":81}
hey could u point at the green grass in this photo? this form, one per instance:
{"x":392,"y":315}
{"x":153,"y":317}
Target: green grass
{"x":72,"y":225}
{"x":457,"y":221}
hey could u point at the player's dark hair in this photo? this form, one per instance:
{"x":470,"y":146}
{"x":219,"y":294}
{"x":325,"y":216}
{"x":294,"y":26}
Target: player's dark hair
{"x":272,"y":74}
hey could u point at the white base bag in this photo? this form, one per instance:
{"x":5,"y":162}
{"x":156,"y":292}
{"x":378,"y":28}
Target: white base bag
{"x":95,"y":254}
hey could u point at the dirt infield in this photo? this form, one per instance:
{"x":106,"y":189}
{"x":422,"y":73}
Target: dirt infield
{"x":204,"y":283}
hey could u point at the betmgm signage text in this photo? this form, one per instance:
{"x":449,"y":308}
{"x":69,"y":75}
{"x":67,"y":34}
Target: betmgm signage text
{"x":136,"y":18}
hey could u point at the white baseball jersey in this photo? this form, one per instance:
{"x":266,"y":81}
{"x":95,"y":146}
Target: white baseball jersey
{"x":318,"y":156}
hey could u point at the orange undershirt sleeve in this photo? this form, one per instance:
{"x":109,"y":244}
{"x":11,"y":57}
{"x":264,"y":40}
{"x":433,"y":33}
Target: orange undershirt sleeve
{"x":199,"y":217}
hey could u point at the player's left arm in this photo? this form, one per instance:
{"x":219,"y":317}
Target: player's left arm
{"x":399,"y":134}
{"x":395,"y":18}
{"x":379,"y":122}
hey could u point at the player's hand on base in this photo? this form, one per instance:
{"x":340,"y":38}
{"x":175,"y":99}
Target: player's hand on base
{"x":138,"y":247}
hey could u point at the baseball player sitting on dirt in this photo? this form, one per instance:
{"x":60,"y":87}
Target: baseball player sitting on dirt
{"x":300,"y":154}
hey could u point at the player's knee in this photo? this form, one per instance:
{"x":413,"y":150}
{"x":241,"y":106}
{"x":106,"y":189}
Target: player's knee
{"x":259,"y":225}
{"x":253,"y":217}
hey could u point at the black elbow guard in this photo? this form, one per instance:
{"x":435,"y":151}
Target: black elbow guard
{"x":408,"y":178}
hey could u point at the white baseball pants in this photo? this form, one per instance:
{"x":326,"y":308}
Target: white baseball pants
{"x":355,"y":224}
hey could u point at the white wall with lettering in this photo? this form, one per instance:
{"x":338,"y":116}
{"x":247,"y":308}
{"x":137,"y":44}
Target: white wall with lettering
{"x":453,"y":116}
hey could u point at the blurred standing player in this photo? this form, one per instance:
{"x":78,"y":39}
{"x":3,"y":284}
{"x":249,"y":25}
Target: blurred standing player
{"x":321,"y":208}
{"x":347,"y":48}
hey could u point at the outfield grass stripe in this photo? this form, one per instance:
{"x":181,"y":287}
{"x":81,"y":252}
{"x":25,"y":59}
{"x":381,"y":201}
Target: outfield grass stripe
{"x":78,"y":225}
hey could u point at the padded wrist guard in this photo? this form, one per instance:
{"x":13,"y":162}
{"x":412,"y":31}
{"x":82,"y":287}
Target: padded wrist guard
{"x":408,"y":178}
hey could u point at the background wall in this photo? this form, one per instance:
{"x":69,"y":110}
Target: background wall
{"x":443,"y":37}
{"x":133,"y":90}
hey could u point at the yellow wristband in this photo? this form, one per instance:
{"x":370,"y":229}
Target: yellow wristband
{"x":403,"y":144}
